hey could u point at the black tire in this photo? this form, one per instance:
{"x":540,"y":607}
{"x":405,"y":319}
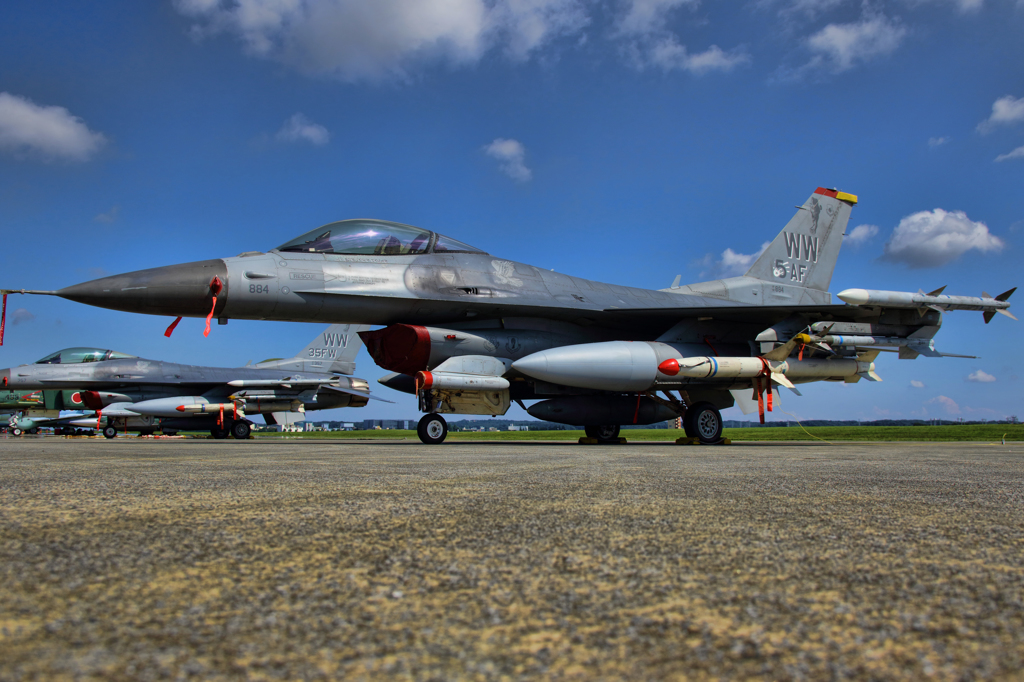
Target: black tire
{"x":219,"y":433}
{"x":703,"y":421}
{"x":16,"y":431}
{"x":109,"y":432}
{"x":605,"y":433}
{"x":240,"y":430}
{"x":432,"y":429}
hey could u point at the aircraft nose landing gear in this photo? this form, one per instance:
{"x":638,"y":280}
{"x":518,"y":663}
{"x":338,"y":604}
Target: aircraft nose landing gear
{"x":432,"y":429}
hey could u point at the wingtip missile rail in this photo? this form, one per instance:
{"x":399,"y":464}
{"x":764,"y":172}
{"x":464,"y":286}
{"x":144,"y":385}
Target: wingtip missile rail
{"x":934,"y":300}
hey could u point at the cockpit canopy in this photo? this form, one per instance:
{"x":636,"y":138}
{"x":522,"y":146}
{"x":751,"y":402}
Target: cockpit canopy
{"x":374,"y":238}
{"x":76,"y":356}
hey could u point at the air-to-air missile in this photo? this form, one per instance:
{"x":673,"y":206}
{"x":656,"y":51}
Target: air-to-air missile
{"x":471,"y":333}
{"x":934,"y":300}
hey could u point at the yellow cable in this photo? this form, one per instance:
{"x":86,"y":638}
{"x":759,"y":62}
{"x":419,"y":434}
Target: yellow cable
{"x":802,"y":427}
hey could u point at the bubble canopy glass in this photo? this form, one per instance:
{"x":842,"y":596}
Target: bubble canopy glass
{"x":76,"y":356}
{"x":374,"y":238}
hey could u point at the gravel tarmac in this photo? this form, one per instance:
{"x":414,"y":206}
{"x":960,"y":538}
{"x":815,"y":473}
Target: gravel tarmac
{"x":169,"y":559}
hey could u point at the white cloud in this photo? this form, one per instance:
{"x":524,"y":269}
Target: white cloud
{"x":526,"y":25}
{"x":667,"y":54}
{"x":21,"y":315}
{"x":46,"y":132}
{"x":914,"y":383}
{"x":731,"y":264}
{"x":357,"y":40}
{"x":647,"y":16}
{"x":947,"y":404}
{"x":932,"y":238}
{"x":1017,"y":153}
{"x":298,"y":128}
{"x":937,"y":141}
{"x":109,"y":217}
{"x":649,"y":44}
{"x":1005,"y":111}
{"x":860,"y":235}
{"x":981,"y":377}
{"x":511,"y":156}
{"x":840,"y":47}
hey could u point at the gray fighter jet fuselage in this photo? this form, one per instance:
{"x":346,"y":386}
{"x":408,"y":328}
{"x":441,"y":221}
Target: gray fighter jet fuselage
{"x":149,"y":395}
{"x":468,"y":332}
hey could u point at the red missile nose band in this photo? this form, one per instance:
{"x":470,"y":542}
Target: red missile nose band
{"x":669,"y":367}
{"x":424,"y":380}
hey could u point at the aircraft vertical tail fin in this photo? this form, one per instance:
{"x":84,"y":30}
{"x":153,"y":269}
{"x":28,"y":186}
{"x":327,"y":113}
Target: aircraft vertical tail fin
{"x":804,"y":254}
{"x":334,"y":350}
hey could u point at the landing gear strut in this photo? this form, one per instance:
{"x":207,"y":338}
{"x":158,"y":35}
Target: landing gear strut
{"x":432,"y":429}
{"x":703,"y":421}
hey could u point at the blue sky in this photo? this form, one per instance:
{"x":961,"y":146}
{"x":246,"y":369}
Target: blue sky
{"x":626,"y":141}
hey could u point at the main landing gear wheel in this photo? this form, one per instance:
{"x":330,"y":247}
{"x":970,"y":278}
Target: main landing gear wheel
{"x":16,"y":431}
{"x":432,"y":429}
{"x":219,"y":433}
{"x":605,"y":433}
{"x":109,"y":432}
{"x":240,"y":430}
{"x":703,"y":421}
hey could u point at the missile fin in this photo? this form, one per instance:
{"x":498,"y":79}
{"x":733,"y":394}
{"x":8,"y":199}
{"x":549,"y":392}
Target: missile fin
{"x":937,"y":291}
{"x":1006,"y":295}
{"x":782,"y":380}
{"x":988,"y":315}
{"x":870,"y":376}
{"x":1007,"y":313}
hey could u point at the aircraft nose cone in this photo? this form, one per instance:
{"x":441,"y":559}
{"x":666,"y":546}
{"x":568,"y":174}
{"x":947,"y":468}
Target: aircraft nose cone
{"x":170,"y":290}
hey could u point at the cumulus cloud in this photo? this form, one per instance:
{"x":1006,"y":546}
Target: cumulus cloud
{"x":937,"y":141}
{"x":109,"y":217}
{"x":298,"y":128}
{"x":947,"y":404}
{"x":667,"y":54}
{"x":840,"y":47}
{"x":981,"y":377}
{"x":1017,"y":153}
{"x":21,"y":315}
{"x":511,"y":156}
{"x":1005,"y":111}
{"x":46,"y":132}
{"x":648,"y":16}
{"x":914,"y":383}
{"x":860,"y":235}
{"x":647,"y":42}
{"x":356,"y":40}
{"x":929,"y":239}
{"x":730,"y":264}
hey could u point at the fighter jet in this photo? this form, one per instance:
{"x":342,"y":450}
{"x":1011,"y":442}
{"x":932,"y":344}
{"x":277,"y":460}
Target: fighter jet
{"x":131,"y":393}
{"x":468,"y":332}
{"x":28,"y":411}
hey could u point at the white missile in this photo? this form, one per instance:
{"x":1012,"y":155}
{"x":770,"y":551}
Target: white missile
{"x":934,"y":300}
{"x":780,"y":372}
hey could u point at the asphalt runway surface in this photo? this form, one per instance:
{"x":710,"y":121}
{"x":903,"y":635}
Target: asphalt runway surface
{"x":142,"y":559}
